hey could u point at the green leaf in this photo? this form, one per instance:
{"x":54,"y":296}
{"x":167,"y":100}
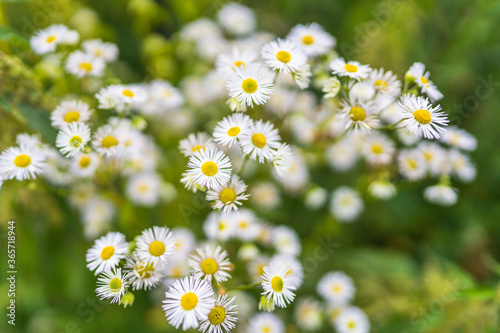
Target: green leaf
{"x":39,"y":120}
{"x":7,"y":32}
{"x":483,"y":293}
{"x":5,"y":105}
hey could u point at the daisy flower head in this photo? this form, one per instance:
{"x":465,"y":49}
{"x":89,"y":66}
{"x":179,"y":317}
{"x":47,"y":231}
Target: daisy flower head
{"x":129,"y":95}
{"x":188,"y":301}
{"x":461,"y":166}
{"x":261,"y":141}
{"x":346,"y":204}
{"x":352,"y":69}
{"x":282,"y":160}
{"x":108,"y":141}
{"x":46,"y":40}
{"x":417,"y":71}
{"x":111,"y":284}
{"x":245,"y":223}
{"x":250,"y":84}
{"x":385,"y":82}
{"x":378,"y":149}
{"x":352,"y":320}
{"x":411,"y":164}
{"x":341,"y":155}
{"x":210,"y":168}
{"x":107,"y":98}
{"x":295,"y":269}
{"x":312,"y":39}
{"x":278,"y":284}
{"x":284,"y":56}
{"x":219,"y":227}
{"x":99,"y":49}
{"x":210,"y":261}
{"x":382,"y":189}
{"x":358,"y":115}
{"x":195,"y":142}
{"x":162,"y":96}
{"x":309,"y":315}
{"x":228,"y":62}
{"x":266,"y":323}
{"x":421,"y":118}
{"x":441,"y":194}
{"x":229,"y":196}
{"x":142,"y":275}
{"x":232,"y":128}
{"x":106,"y":252}
{"x":222,"y":317}
{"x":82,"y":64}
{"x":144,"y":188}
{"x":337,"y":288}
{"x":236,"y":19}
{"x":155,"y":245}
{"x":70,"y":111}
{"x":72,"y":138}
{"x":459,"y":138}
{"x":85,"y":164}
{"x":286,"y":240}
{"x":22,"y":162}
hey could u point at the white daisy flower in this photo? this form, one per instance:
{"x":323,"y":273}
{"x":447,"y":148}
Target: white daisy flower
{"x":346,"y":204}
{"x":412,"y":165}
{"x":130,"y":95}
{"x":284,"y":56}
{"x":382,"y":189}
{"x":188,"y":301}
{"x":282,"y":160}
{"x":219,"y":227}
{"x":32,"y":140}
{"x":46,"y":40}
{"x":111,"y":284}
{"x":286,"y":240}
{"x":106,"y":252}
{"x":261,"y":141}
{"x":85,"y":165}
{"x":385,"y":82}
{"x":316,"y":198}
{"x":278,"y":284}
{"x":72,"y":138}
{"x":236,"y":19}
{"x":107,"y":98}
{"x":461,"y":166}
{"x":189,"y":183}
{"x":295,"y":269}
{"x":245,"y":224}
{"x":82,"y":64}
{"x":265,"y":195}
{"x":308,"y":313}
{"x":421,"y":118}
{"x":70,"y":111}
{"x":331,"y":87}
{"x":362,"y":91}
{"x":312,"y":39}
{"x":417,"y":70}
{"x":195,"y":142}
{"x":378,"y":149}
{"x":459,"y":138}
{"x":352,"y":320}
{"x":336,"y":288}
{"x":352,"y":69}
{"x":222,"y":317}
{"x":441,"y":194}
{"x":210,"y":168}
{"x":162,"y":96}
{"x":155,"y":245}
{"x":175,"y":269}
{"x":250,"y":84}
{"x":22,"y":162}
{"x":228,"y":62}
{"x":266,"y":323}
{"x":229,"y":196}
{"x":144,"y":188}
{"x":208,"y":262}
{"x":302,"y":76}
{"x":108,"y":141}
{"x":433,"y":155}
{"x":341,"y":155}
{"x":232,"y":128}
{"x":99,"y":49}
{"x":142,"y":275}
{"x":358,"y":115}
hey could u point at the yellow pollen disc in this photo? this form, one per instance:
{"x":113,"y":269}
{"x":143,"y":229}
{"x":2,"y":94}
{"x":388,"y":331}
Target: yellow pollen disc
{"x":156,"y":248}
{"x":128,"y":93}
{"x":50,"y":39}
{"x":259,"y":140}
{"x":233,"y":131}
{"x":336,"y":289}
{"x":227,"y":195}
{"x":411,"y":163}
{"x":424,"y":80}
{"x":239,"y":63}
{"x":209,"y":169}
{"x":107,"y":252}
{"x":357,"y":113}
{"x":351,"y":68}
{"x":381,"y":84}
{"x":87,"y":66}
{"x":145,"y":271}
{"x":189,"y":301}
{"x":277,"y":284}
{"x":176,"y":271}
{"x":249,"y":86}
{"x":377,"y":148}
{"x":266,"y":329}
{"x":98,"y":52}
{"x":308,"y":40}
{"x":422,"y":116}
{"x":197,"y":148}
{"x":84,"y":161}
{"x":115,"y":285}
{"x":428,"y":155}
{"x":209,"y":266}
{"x":222,"y":225}
{"x":351,"y":324}
{"x":76,"y":141}
{"x":217,"y":315}
{"x":143,"y":188}
{"x":243,"y":224}
{"x":22,"y":161}
{"x":260,"y":269}
{"x":283,"y":56}
{"x":71,"y":116}
{"x":109,"y":141}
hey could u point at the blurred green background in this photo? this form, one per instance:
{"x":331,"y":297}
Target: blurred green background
{"x":417,"y":267}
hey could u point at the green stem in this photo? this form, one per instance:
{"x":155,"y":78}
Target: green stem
{"x":391,"y":127}
{"x":240,"y":169}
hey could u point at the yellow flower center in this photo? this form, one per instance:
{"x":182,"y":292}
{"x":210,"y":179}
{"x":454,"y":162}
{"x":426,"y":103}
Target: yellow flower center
{"x":381,"y":84}
{"x":422,"y":116}
{"x":109,"y":141}
{"x":84,"y":161}
{"x":87,"y":66}
{"x":266,"y":329}
{"x":107,"y":252}
{"x":71,"y":116}
{"x":222,"y":225}
{"x":308,"y":40}
{"x":351,"y":324}
{"x":50,"y":39}
{"x":189,"y":301}
{"x":424,"y":80}
{"x":197,"y":148}
{"x":377,"y":148}
{"x":209,"y":266}
{"x":259,"y":140}
{"x":145,"y":271}
{"x":336,"y":288}
{"x":217,"y":315}
{"x":277,"y":284}
{"x":249,"y":86}
{"x":76,"y":141}
{"x":351,"y":68}
{"x":22,"y":161}
{"x":238,"y":63}
{"x":233,"y":131}
{"x":412,"y":164}
{"x":209,"y":169}
{"x":243,"y":224}
{"x":227,"y":195}
{"x":115,"y":285}
{"x":98,"y":52}
{"x":143,"y":188}
{"x":357,"y":113}
{"x":156,"y":248}
{"x":128,"y":93}
{"x":283,"y":56}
